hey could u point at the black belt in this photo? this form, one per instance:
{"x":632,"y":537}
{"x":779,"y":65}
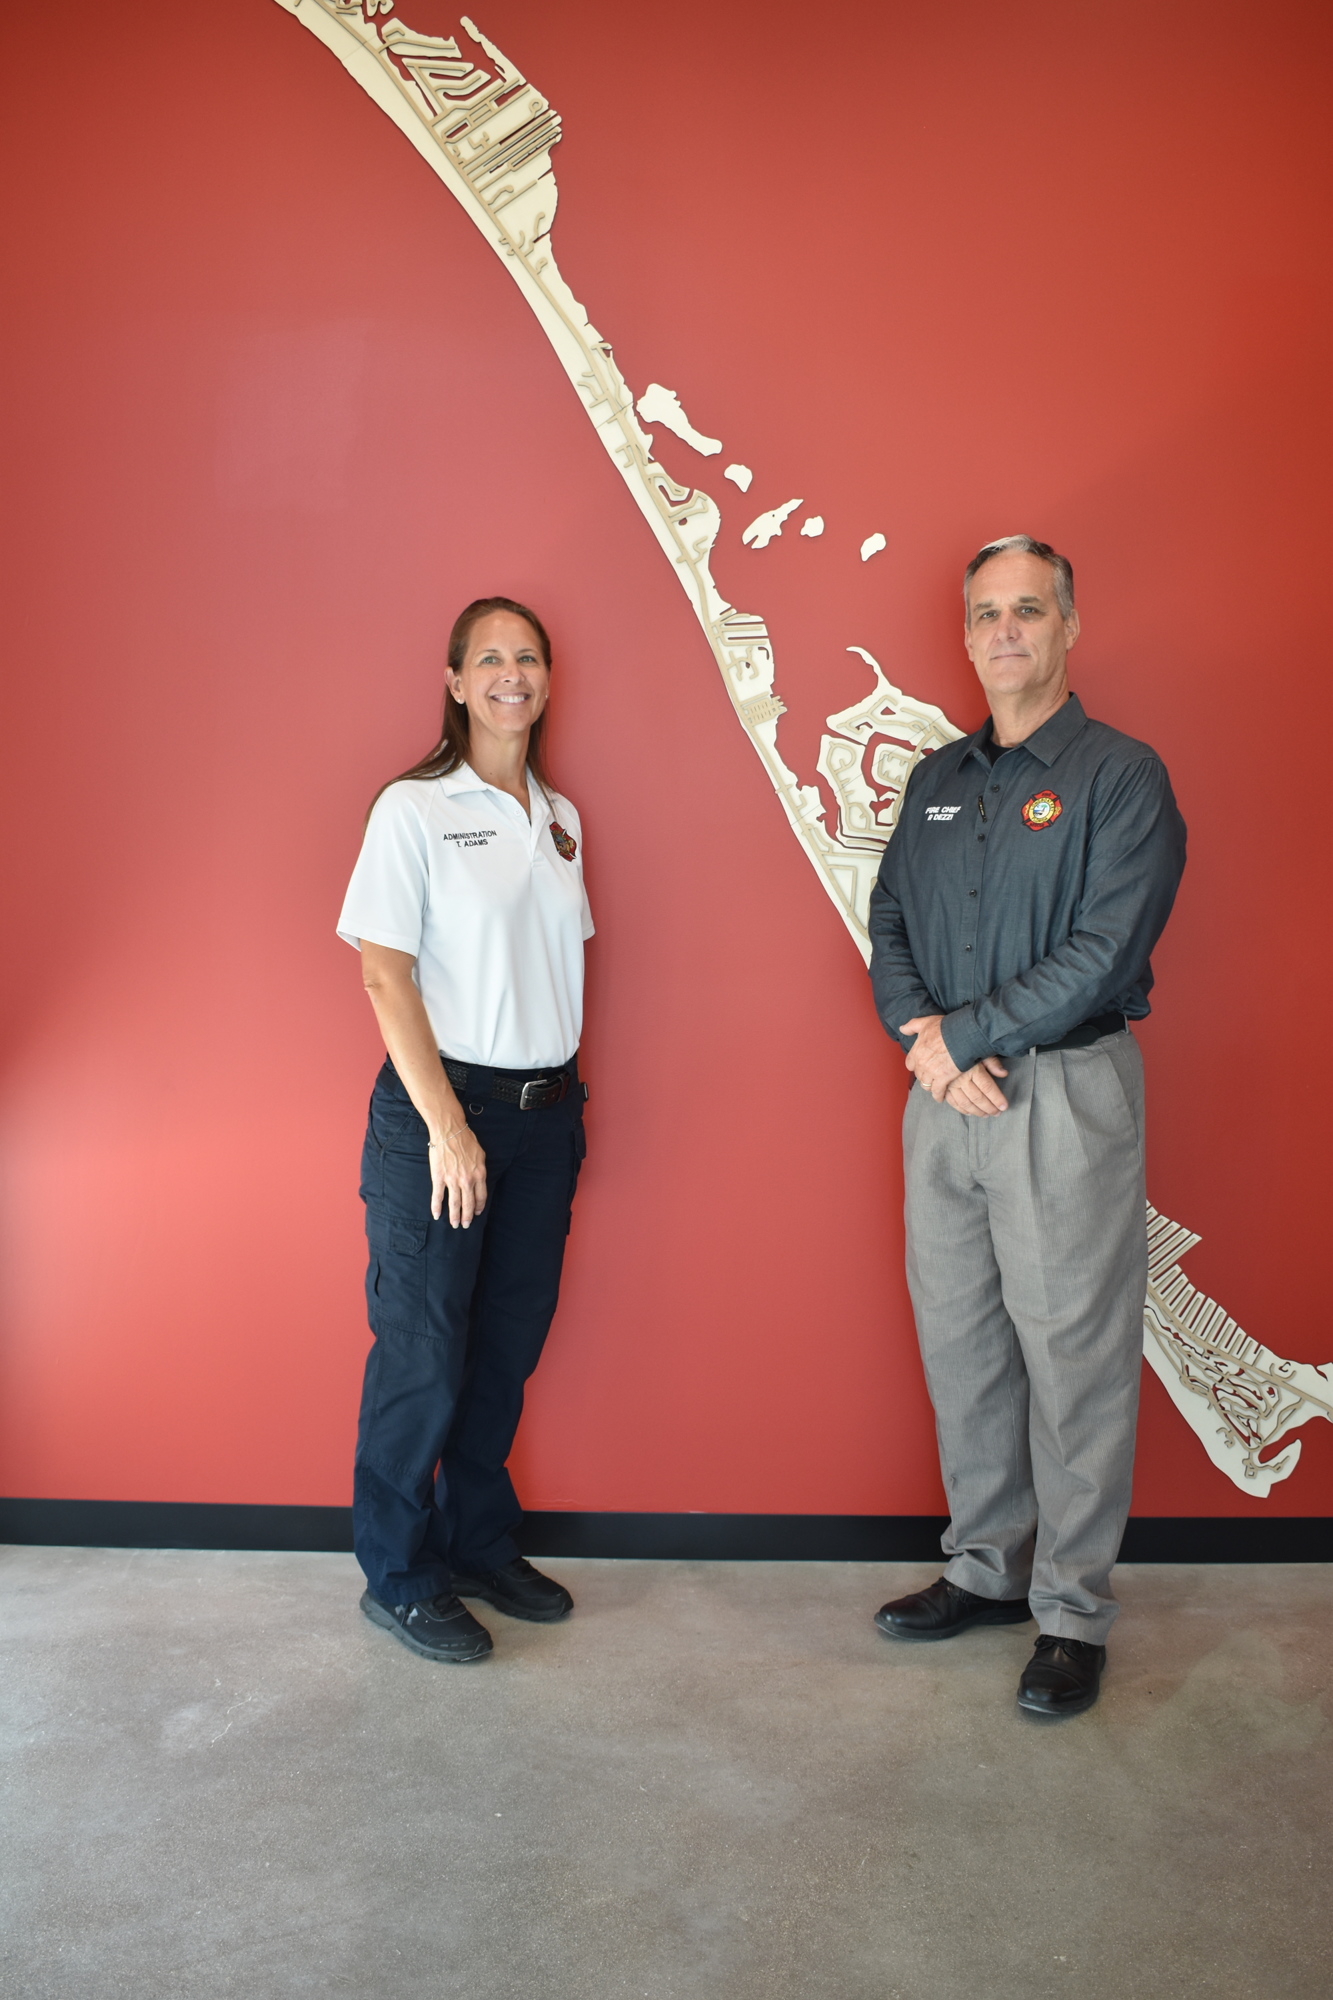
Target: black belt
{"x":510,"y":1086}
{"x":1085,"y":1034}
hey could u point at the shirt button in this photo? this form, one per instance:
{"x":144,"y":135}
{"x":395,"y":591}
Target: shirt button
{"x":971,"y":892}
{"x":967,"y":947}
{"x":995,"y":788}
{"x":981,"y":836}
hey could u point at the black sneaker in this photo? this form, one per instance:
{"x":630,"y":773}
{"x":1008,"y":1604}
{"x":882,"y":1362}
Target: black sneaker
{"x":518,"y":1589}
{"x":439,"y":1628}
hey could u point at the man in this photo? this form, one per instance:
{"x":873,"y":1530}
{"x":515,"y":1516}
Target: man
{"x":1032,"y":871}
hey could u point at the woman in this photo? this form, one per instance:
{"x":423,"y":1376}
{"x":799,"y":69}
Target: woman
{"x":468,"y":906}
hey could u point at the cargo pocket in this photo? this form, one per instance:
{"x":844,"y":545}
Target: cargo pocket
{"x":396,"y":1272}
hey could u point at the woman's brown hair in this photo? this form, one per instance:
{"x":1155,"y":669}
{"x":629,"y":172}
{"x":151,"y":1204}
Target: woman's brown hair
{"x":454,"y":743}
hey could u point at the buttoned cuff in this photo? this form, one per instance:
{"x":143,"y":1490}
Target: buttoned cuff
{"x":963,"y":1038}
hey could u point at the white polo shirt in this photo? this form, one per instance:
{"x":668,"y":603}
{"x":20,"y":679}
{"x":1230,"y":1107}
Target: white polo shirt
{"x":490,"y":907}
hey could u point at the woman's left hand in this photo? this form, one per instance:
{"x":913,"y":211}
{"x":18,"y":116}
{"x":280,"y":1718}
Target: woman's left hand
{"x":458,"y":1170}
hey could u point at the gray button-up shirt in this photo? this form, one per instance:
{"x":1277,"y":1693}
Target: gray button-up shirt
{"x":1023,"y":899}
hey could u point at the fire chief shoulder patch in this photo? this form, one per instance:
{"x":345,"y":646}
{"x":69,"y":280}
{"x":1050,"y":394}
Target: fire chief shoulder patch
{"x":1042,"y":809}
{"x":567,"y":847}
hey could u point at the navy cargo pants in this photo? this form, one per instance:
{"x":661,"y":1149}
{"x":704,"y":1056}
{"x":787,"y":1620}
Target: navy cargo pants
{"x":459,"y":1318}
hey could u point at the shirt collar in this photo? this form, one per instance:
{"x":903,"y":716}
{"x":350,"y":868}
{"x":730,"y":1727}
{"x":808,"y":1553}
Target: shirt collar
{"x":1045,"y":743}
{"x":464,"y":779}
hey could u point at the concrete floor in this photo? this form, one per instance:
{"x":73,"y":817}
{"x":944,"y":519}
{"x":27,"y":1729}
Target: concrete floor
{"x":716,"y":1782}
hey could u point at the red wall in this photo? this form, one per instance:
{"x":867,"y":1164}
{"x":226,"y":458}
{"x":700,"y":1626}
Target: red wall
{"x":277,"y":411}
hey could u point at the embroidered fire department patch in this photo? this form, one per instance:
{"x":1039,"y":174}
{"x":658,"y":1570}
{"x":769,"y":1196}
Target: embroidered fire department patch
{"x":1042,"y":809}
{"x":567,"y":847}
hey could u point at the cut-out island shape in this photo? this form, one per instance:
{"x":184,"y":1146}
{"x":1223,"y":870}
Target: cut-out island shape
{"x":487,"y":134}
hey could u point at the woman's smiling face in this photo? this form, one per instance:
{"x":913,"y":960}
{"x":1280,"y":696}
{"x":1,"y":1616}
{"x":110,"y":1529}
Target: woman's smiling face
{"x":503,"y":681}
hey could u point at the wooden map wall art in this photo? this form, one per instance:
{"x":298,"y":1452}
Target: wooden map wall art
{"x":488,"y":134}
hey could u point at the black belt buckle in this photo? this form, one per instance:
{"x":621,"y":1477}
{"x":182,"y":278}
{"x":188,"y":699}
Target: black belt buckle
{"x":533,"y":1095}
{"x":541,"y":1091}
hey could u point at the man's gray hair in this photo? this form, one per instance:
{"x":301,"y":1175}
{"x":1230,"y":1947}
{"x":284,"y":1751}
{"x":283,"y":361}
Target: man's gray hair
{"x":1026,"y":545}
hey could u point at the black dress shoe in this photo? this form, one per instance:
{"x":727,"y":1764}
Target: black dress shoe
{"x":518,"y":1589}
{"x":947,"y":1608}
{"x":439,"y":1628}
{"x":1063,"y":1677}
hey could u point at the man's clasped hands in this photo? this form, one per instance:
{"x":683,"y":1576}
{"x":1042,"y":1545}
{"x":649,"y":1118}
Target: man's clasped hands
{"x":973,"y":1091}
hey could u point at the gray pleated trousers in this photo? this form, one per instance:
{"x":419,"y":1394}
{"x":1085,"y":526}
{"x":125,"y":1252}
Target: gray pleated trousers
{"x":1027,"y":1261}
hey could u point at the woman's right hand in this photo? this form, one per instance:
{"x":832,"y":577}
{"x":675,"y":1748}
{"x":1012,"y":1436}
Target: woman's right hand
{"x":458,"y":1170}
{"x":457,"y":1163}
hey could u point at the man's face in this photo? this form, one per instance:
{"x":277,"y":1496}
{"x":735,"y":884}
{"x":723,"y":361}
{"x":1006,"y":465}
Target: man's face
{"x":1015,"y":636}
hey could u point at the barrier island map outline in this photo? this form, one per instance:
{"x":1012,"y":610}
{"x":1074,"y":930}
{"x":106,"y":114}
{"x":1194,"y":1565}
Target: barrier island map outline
{"x":488,"y":134}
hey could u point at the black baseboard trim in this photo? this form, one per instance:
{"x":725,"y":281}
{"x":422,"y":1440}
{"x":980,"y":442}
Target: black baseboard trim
{"x":1228,"y":1538}
{"x":164,"y":1524}
{"x":737,"y":1537}
{"x":175,"y":1524}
